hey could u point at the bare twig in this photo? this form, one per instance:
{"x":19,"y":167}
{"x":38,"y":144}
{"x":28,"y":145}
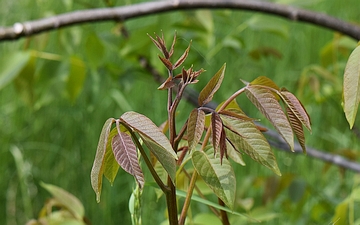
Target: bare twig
{"x":28,"y":28}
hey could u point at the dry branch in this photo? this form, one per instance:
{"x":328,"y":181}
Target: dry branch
{"x":123,"y":13}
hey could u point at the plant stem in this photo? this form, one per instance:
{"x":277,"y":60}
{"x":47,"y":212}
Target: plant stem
{"x":171,"y":203}
{"x":231,"y":98}
{"x":188,"y":198}
{"x":224,"y":216}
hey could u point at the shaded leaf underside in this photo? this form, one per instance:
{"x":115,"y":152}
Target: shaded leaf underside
{"x":126,"y":155}
{"x":297,"y":127}
{"x":195,"y":127}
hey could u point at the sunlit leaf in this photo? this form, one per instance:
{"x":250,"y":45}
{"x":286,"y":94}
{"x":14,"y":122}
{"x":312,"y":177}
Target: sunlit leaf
{"x":111,"y":166}
{"x":76,"y":77}
{"x":11,"y":65}
{"x":211,"y":87}
{"x":297,"y":108}
{"x":154,"y":139}
{"x":246,"y":137}
{"x":265,"y":81}
{"x":195,"y":127}
{"x":234,"y":154}
{"x":126,"y":155}
{"x":68,"y":200}
{"x":297,"y":128}
{"x":220,"y":178}
{"x":351,"y":86}
{"x":216,"y":128}
{"x":98,"y":165}
{"x":266,"y":102}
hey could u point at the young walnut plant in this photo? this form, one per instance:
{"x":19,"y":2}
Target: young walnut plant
{"x":228,"y":134}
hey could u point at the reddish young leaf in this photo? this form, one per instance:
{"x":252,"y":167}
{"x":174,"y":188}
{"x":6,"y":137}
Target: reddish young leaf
{"x":296,"y":107}
{"x":223,"y":146}
{"x":154,"y":139}
{"x":166,"y":62}
{"x":171,"y":52}
{"x":161,"y":41}
{"x":126,"y":155}
{"x":233,"y":113}
{"x":168,"y":83}
{"x":195,"y":127}
{"x":266,"y":102}
{"x":156,"y":43}
{"x":296,"y":125}
{"x":216,"y":128}
{"x":98,"y":165}
{"x":211,"y":87}
{"x":182,"y":58}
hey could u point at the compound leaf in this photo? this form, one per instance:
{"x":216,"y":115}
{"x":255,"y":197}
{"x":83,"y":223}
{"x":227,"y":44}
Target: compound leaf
{"x":126,"y":155}
{"x":220,"y":178}
{"x":195,"y":127}
{"x":268,"y":105}
{"x":211,"y":87}
{"x":351,"y":86}
{"x":98,"y":165}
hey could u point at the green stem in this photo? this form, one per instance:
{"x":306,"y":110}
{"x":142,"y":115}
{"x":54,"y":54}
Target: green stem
{"x":188,"y":198}
{"x":231,"y":98}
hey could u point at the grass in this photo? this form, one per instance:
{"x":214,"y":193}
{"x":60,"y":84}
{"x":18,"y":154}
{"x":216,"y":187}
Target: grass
{"x":58,"y":140}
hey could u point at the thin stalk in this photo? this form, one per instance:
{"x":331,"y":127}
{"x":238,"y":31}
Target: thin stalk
{"x":232,"y":97}
{"x":224,"y":217}
{"x":171,"y":194}
{"x":188,"y":198}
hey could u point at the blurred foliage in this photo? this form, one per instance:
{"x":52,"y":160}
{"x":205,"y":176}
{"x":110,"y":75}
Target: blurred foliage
{"x":58,"y":88}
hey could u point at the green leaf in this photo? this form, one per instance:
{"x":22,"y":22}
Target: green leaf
{"x":11,"y":65}
{"x":211,"y":87}
{"x":220,"y":178}
{"x":25,"y":80}
{"x":234,"y":154}
{"x":111,"y":166}
{"x":264,"y":23}
{"x":351,"y":86}
{"x":245,"y":136}
{"x":68,"y":200}
{"x":76,"y":77}
{"x":195,"y":127}
{"x":212,"y":204}
{"x":154,"y":139}
{"x":94,"y":50}
{"x":268,"y":105}
{"x":98,"y":165}
{"x":126,"y":155}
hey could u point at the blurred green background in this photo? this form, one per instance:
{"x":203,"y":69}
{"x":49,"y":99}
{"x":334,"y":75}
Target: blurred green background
{"x":58,"y":88}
